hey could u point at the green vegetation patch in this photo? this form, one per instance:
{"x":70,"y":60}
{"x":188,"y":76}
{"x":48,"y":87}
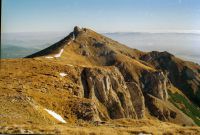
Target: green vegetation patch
{"x":190,"y":109}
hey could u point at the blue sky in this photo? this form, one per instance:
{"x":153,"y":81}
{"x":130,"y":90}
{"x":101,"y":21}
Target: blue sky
{"x":100,"y":15}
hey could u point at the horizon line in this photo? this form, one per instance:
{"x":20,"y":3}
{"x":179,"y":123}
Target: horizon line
{"x":115,"y":32}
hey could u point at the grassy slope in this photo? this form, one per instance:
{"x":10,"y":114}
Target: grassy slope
{"x":185,"y":106}
{"x":114,"y":127}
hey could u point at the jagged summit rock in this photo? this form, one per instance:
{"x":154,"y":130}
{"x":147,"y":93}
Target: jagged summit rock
{"x":77,"y":30}
{"x":87,"y":76}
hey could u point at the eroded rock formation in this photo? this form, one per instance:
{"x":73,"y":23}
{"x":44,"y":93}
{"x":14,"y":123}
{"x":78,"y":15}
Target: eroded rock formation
{"x":109,"y":88}
{"x":155,"y":83}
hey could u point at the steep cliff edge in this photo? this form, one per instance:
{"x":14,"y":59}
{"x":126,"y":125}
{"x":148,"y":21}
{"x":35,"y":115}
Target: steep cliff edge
{"x":184,"y":75}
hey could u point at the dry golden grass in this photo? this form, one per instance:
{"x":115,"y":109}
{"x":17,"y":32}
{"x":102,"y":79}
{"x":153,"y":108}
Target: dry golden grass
{"x":114,"y":127}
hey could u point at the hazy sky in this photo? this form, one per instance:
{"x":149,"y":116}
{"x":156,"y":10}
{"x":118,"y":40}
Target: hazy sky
{"x":101,"y":15}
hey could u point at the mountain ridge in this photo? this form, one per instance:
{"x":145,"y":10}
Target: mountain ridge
{"x":87,"y":76}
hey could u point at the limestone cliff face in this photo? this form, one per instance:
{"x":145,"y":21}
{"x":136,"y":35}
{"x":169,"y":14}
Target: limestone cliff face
{"x":154,"y":86}
{"x":155,"y":83}
{"x":113,"y":98}
{"x":184,"y":75}
{"x":137,"y":98}
{"x":109,"y":88}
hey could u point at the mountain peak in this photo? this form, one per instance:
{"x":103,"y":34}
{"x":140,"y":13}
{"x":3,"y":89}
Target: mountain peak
{"x":77,"y":29}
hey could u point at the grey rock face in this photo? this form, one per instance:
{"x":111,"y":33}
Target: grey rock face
{"x":155,"y":84}
{"x":76,"y":30}
{"x":108,"y":88}
{"x":137,"y":98}
{"x":183,"y":75}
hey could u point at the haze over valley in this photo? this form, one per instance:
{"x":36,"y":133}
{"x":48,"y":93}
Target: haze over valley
{"x":183,"y":45}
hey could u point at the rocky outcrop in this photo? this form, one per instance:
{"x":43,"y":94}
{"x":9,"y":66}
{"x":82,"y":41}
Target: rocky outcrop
{"x":131,"y":78}
{"x":155,"y":83}
{"x":137,"y":98}
{"x":77,"y":30}
{"x":109,"y":88}
{"x":184,"y":75}
{"x":122,"y":99}
{"x":154,"y":86}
